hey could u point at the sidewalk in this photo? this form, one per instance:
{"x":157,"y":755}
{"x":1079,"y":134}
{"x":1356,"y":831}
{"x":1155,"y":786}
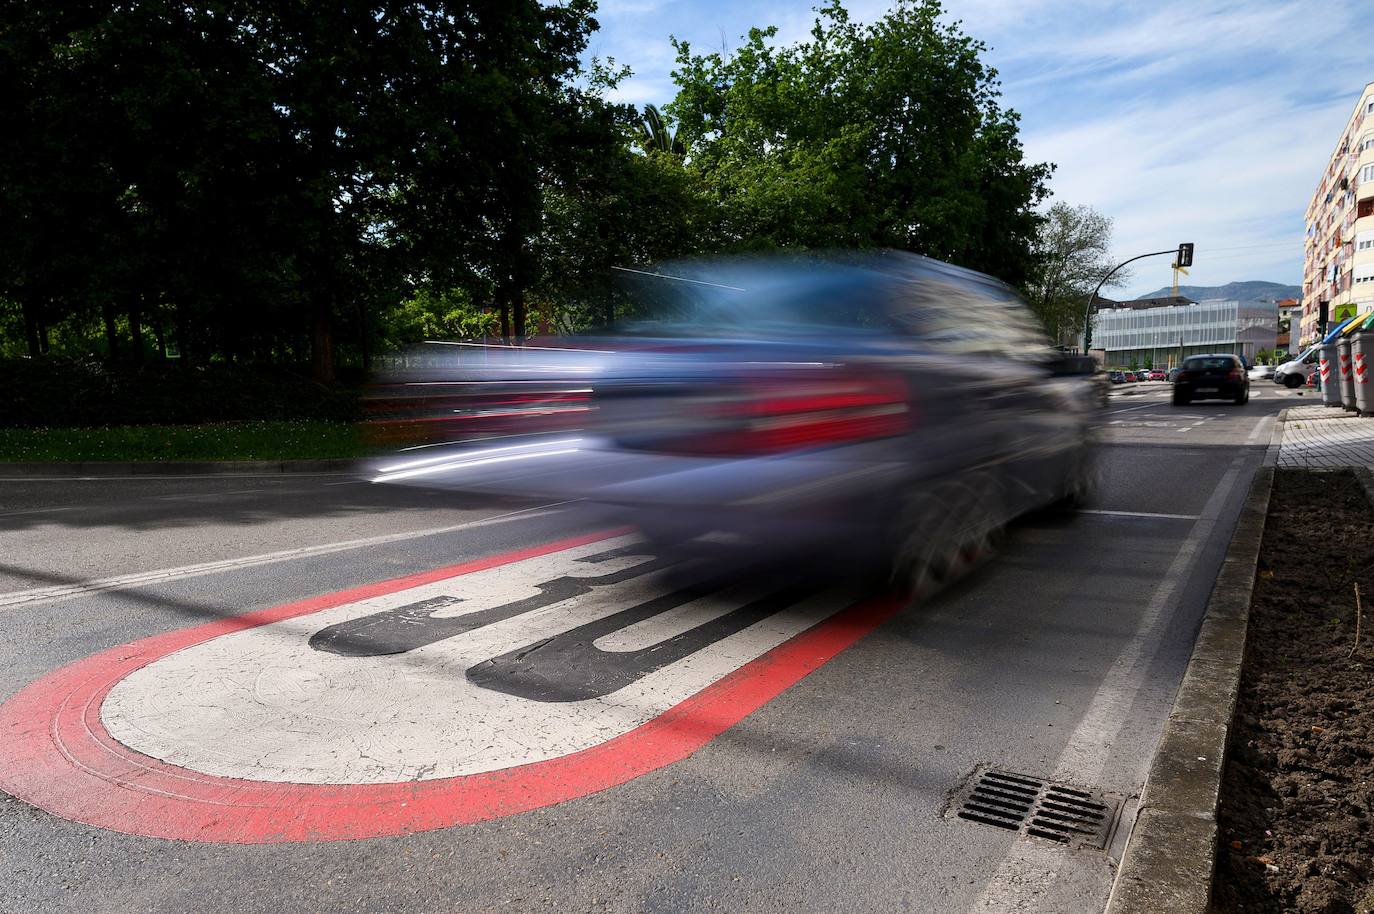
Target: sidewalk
{"x":1325,"y":436}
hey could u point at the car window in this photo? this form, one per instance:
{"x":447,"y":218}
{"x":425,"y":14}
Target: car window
{"x":1211,"y":363}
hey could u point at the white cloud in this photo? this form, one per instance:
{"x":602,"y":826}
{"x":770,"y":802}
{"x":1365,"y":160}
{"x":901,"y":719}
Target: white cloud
{"x":1200,"y":120}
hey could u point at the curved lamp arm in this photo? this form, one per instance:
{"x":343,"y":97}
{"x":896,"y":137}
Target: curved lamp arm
{"x":1088,"y":312}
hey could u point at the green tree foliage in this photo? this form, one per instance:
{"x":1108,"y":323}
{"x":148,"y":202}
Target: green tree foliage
{"x":427,"y":315}
{"x":655,"y":134}
{"x":885,"y":134}
{"x":260,"y":175}
{"x":251,"y":180}
{"x":1072,"y":253}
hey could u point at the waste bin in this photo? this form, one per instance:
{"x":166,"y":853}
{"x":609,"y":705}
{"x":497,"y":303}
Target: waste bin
{"x":1343,"y":353}
{"x":1330,"y":375}
{"x":1361,"y":354}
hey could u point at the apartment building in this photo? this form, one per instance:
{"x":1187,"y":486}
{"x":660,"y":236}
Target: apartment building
{"x":1339,"y":250}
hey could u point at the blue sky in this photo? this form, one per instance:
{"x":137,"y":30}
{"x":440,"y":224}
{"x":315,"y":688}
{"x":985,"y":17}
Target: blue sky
{"x":1183,"y":120}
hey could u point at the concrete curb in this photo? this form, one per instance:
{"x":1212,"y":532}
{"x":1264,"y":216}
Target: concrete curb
{"x":177,"y":467}
{"x":1171,"y":852}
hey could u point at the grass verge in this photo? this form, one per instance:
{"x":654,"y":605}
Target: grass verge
{"x":254,"y":440}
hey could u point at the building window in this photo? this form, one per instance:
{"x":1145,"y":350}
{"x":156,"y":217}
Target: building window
{"x":1367,"y":173}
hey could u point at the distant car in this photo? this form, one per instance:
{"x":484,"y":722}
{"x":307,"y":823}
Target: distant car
{"x":1212,"y":377}
{"x":1261,"y":373}
{"x":1157,"y":374}
{"x":1116,"y":377}
{"x":1142,"y":375}
{"x":1173,"y":374}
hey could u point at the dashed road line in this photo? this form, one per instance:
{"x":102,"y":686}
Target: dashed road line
{"x":123,"y":582}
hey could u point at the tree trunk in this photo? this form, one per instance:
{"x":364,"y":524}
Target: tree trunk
{"x":183,"y":328}
{"x":505,"y":320}
{"x":517,"y":295}
{"x":111,"y":339}
{"x":136,"y":329}
{"x":31,"y":329}
{"x":322,"y":340}
{"x":364,"y":347}
{"x":161,"y":339}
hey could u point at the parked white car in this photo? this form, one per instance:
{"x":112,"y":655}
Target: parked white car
{"x":1294,"y":372}
{"x":1261,"y":372}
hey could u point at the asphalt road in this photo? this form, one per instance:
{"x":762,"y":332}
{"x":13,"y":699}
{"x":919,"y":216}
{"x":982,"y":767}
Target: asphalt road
{"x":813,"y":773}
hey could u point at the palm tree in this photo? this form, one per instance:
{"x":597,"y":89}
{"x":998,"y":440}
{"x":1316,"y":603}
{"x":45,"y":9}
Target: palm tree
{"x":654,"y":134}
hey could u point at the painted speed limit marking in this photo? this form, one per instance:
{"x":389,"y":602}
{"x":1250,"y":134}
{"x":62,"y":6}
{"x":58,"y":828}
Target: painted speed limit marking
{"x":452,"y":696}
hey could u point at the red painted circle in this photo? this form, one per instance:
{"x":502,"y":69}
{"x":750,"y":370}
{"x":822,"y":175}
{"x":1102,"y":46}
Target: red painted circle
{"x":56,"y":754}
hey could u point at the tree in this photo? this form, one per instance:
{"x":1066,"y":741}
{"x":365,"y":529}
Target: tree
{"x":1072,"y":254}
{"x":655,"y":134}
{"x":270,"y":178}
{"x":886,"y":134}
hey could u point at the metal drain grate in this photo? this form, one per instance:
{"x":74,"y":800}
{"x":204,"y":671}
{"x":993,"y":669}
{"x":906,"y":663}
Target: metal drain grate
{"x":1033,"y":806}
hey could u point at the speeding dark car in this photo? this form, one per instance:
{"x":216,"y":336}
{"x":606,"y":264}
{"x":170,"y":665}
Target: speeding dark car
{"x":872,"y":406}
{"x":1212,"y":377}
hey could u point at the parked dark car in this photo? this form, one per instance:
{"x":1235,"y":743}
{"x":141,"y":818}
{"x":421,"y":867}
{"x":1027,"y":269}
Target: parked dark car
{"x":1212,"y":377}
{"x":822,"y":405}
{"x":1117,"y":377}
{"x":1173,"y":374}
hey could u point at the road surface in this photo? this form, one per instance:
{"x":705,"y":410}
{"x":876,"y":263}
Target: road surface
{"x":402,"y":723}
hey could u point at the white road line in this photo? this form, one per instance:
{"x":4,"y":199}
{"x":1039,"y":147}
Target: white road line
{"x":1030,"y":868}
{"x":1138,"y":514}
{"x":182,"y":476}
{"x":1259,"y":427}
{"x":1133,"y":408}
{"x":123,"y":582}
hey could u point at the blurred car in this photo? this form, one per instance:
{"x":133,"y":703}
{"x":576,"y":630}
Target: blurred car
{"x":844,"y":405}
{"x":1212,"y":377}
{"x":1116,"y":377}
{"x":1156,"y":374}
{"x":1173,"y":374}
{"x":1261,"y":373}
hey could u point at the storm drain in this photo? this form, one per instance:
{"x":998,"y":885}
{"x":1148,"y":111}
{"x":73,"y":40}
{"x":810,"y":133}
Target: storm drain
{"x":1032,"y":806}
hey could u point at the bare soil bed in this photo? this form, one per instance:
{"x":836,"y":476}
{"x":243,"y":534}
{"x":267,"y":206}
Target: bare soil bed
{"x":1297,"y":803}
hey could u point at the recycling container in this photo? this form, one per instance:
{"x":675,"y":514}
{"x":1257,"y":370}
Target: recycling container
{"x":1361,"y":354}
{"x":1330,"y":374}
{"x":1347,"y":372}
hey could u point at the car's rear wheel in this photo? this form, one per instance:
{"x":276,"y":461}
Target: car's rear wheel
{"x":1243,"y":398}
{"x":1292,"y":381}
{"x":1080,"y":482}
{"x":944,"y":531}
{"x":1181,"y":399}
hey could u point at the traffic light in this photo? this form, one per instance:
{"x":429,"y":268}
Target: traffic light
{"x":1185,"y":255}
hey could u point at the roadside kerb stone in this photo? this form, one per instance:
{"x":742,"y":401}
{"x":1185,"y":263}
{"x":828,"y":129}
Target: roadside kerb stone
{"x":176,"y":467}
{"x":1171,"y":852}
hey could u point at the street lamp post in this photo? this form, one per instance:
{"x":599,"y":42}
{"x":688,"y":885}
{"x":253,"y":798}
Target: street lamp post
{"x":1185,"y":259}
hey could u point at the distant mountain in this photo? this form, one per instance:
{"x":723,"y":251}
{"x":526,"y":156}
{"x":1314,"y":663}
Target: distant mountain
{"x":1253,"y":290}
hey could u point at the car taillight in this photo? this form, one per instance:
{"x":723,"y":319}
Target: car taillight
{"x":1235,"y":375}
{"x":1185,"y":375}
{"x":784,"y":413}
